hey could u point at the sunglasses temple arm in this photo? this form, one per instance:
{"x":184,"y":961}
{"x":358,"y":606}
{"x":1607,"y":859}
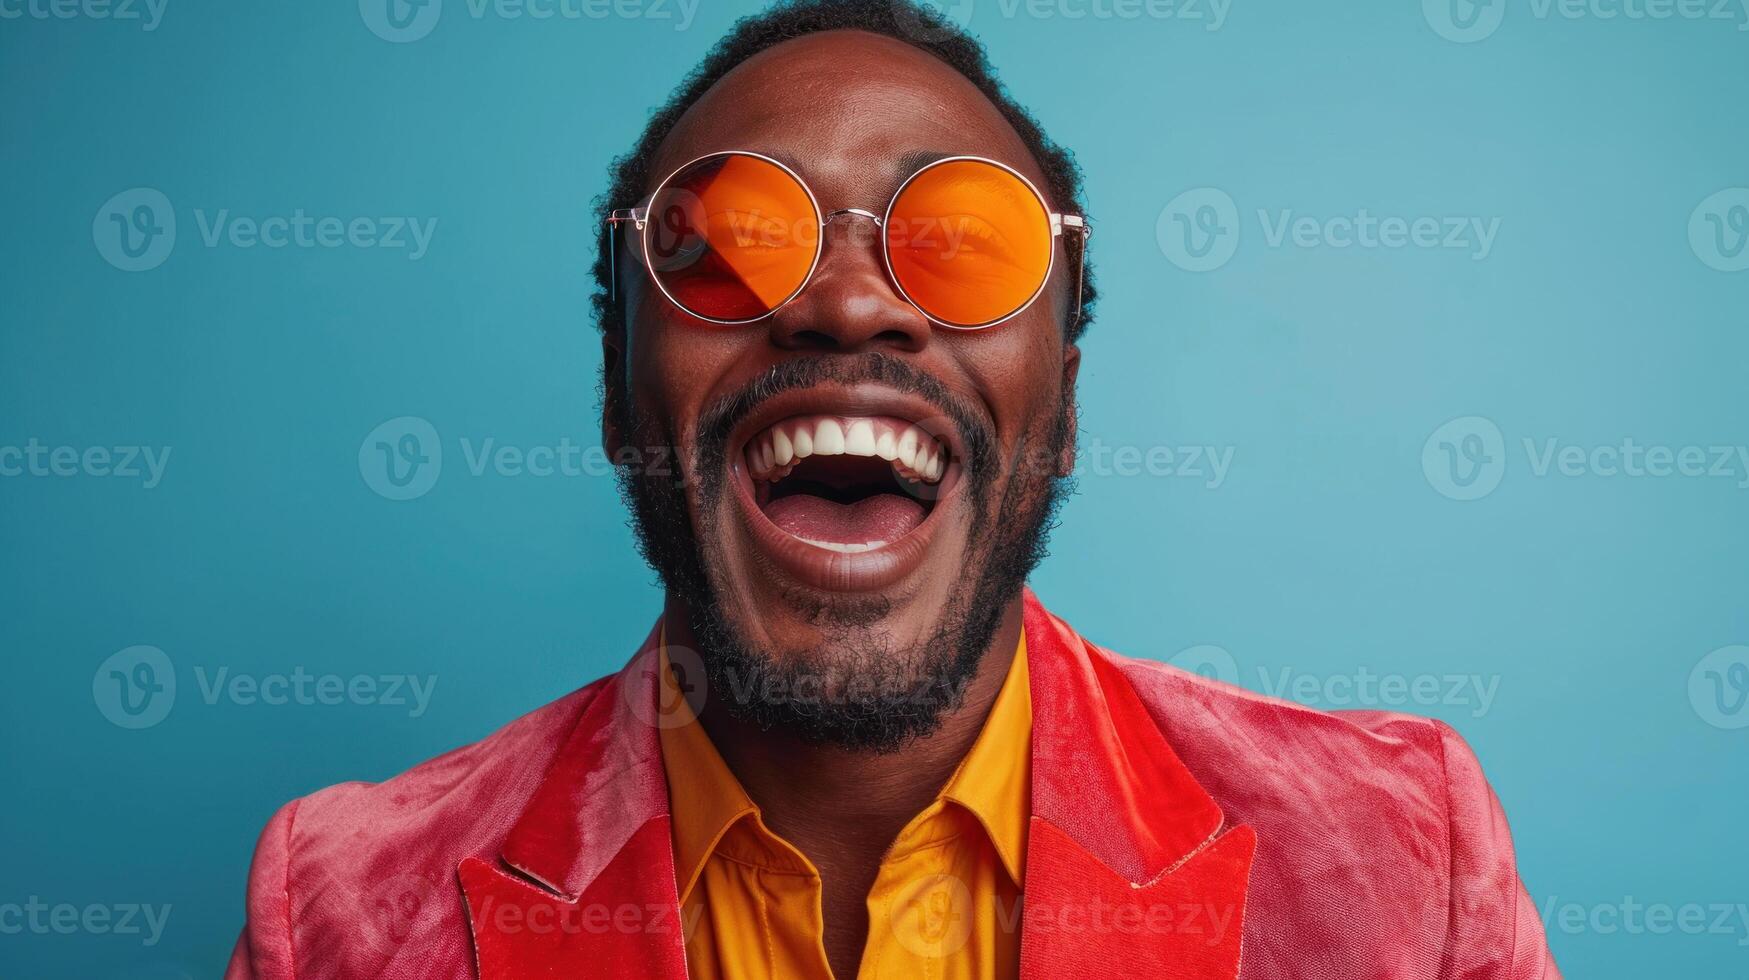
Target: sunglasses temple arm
{"x":1064,"y":222}
{"x":1080,"y":270}
{"x":637,"y":216}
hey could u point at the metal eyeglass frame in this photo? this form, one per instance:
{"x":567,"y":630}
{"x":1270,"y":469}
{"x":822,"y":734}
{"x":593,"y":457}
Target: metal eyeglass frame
{"x":639,"y":217}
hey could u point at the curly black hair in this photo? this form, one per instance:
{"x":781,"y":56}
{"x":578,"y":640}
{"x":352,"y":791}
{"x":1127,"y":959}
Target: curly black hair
{"x":905,"y":20}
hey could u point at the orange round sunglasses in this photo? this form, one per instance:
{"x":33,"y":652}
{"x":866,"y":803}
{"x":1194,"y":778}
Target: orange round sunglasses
{"x":733,"y":236}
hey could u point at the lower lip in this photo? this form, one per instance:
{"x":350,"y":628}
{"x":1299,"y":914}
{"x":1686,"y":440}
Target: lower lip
{"x":834,"y":571}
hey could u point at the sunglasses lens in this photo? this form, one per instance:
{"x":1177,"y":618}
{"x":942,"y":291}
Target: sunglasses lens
{"x":969,"y":242}
{"x":732,"y":237}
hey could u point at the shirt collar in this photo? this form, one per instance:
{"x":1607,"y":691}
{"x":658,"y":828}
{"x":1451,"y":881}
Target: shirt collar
{"x":992,"y":779}
{"x":704,"y":797}
{"x":706,"y":800}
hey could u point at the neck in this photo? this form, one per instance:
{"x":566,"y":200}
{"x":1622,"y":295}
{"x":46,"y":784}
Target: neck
{"x":841,"y":805}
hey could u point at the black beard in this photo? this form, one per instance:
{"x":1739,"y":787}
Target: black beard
{"x":858,"y":697}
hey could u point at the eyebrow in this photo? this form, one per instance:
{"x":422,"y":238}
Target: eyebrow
{"x":916,"y":160}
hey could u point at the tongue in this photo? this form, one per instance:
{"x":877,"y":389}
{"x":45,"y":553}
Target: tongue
{"x":879,"y":518}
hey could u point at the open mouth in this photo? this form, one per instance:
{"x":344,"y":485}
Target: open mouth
{"x":847,"y":484}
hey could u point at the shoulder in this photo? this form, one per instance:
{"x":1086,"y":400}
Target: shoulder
{"x":1208,"y":717}
{"x":1321,"y":778}
{"x":366,"y":853}
{"x":1355,"y":811}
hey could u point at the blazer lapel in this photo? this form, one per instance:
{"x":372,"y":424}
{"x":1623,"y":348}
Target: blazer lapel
{"x":584,"y":884}
{"x":1127,"y":868}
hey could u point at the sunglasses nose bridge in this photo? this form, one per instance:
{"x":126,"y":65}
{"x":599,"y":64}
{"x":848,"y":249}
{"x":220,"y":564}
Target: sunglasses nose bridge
{"x":832,"y":216}
{"x":862,"y":237}
{"x":856,"y":242}
{"x":850,"y":301}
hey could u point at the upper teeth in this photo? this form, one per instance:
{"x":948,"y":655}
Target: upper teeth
{"x":915,"y":454}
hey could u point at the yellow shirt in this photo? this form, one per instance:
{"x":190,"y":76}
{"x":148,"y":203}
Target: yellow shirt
{"x":945,"y":903}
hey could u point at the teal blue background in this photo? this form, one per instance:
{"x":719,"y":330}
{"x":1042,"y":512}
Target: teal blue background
{"x":1326,"y":549}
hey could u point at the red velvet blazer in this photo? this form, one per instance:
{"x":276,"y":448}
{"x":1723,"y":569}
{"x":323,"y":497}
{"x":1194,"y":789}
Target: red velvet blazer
{"x":1180,"y":828}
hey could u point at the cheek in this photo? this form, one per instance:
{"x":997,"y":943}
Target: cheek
{"x":675,"y":369}
{"x":1019,"y":375}
{"x":669,"y":364}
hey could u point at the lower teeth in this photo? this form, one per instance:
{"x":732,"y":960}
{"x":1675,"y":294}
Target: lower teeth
{"x":846,"y":549}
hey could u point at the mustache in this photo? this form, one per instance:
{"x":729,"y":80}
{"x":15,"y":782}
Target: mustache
{"x":976,"y":432}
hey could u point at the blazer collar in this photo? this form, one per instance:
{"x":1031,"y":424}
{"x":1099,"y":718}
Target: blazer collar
{"x":604,"y":785}
{"x":1117,"y":821}
{"x":1102,"y":771}
{"x":1126,"y":859}
{"x":584,"y":885}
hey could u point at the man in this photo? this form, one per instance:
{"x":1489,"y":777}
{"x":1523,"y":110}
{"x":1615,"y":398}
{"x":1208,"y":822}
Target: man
{"x":842,"y":283}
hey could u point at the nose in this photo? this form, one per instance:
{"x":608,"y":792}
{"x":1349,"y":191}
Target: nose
{"x":850,"y":304}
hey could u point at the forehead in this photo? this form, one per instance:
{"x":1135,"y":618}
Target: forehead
{"x":846,"y":109}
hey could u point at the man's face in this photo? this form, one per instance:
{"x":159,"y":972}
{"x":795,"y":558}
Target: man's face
{"x":874,"y":578}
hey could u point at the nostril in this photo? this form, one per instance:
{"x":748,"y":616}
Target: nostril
{"x":848,"y":309}
{"x":816,"y":339}
{"x":827,"y":340}
{"x":897,"y":338}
